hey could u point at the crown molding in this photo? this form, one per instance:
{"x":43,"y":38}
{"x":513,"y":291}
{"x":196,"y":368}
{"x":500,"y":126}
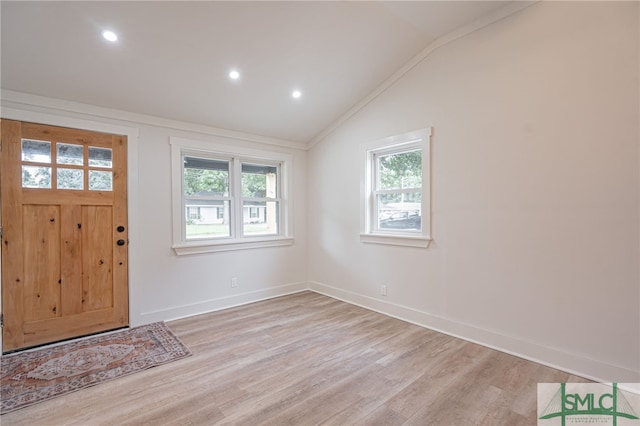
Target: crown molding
{"x":26,"y":101}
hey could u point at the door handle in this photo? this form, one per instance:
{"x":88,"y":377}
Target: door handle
{"x":120,"y":228}
{"x":120,"y":242}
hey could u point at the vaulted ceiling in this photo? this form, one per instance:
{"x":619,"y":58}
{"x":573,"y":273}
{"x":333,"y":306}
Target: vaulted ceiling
{"x":172,"y":59}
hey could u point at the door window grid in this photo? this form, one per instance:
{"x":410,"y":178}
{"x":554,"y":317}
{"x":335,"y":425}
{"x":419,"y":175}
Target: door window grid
{"x":40,"y":166}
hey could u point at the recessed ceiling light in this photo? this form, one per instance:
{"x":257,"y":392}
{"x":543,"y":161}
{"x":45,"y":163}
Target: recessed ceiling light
{"x":110,"y":36}
{"x":234,"y":75}
{"x":296,"y":94}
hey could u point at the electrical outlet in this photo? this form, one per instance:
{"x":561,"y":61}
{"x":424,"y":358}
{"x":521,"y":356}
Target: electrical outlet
{"x":234,"y":282}
{"x":383,"y":290}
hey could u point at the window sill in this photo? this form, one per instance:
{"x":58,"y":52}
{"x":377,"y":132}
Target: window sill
{"x":396,"y":240}
{"x":198,"y":247}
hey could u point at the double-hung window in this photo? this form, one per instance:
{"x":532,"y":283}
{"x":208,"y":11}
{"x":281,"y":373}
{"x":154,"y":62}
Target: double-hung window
{"x":396,"y":208}
{"x":228,"y":198}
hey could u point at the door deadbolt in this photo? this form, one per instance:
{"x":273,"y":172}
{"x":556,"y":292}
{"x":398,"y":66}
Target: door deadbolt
{"x":120,"y":242}
{"x":120,"y":228}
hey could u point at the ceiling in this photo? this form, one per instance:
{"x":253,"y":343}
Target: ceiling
{"x":172,"y":59}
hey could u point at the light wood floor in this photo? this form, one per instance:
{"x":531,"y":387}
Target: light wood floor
{"x":307,"y":359}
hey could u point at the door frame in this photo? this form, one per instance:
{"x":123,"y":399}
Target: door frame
{"x":132,"y":182}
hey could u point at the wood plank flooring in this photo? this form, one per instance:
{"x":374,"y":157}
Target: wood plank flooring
{"x":307,"y":359}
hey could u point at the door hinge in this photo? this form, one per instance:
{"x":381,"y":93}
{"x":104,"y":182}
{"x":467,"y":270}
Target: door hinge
{"x":1,"y":320}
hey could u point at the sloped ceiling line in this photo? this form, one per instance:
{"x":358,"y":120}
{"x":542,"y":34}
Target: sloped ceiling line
{"x":500,"y":14}
{"x":17,"y":97}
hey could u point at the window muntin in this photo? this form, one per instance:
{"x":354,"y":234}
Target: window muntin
{"x":396,"y":190}
{"x":256,"y":209}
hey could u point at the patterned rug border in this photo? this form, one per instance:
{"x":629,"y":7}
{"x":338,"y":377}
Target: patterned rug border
{"x":11,"y":364}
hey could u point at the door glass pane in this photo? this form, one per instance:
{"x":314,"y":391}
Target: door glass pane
{"x":100,"y":157}
{"x":70,"y":178}
{"x":400,"y":211}
{"x":38,"y":151}
{"x":207,"y":219}
{"x":400,"y":171}
{"x":260,"y":218}
{"x":69,"y":154}
{"x":206,"y":177}
{"x":100,"y":181}
{"x":36,"y":177}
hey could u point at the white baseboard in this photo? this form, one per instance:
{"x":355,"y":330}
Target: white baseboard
{"x":561,"y":360}
{"x":213,"y":305}
{"x":551,"y":357}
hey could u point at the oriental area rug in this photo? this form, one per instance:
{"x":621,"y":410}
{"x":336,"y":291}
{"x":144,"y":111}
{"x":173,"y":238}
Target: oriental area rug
{"x":34,"y":376}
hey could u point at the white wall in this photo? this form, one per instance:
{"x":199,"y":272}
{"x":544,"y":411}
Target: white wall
{"x":175,"y":286}
{"x":163,"y":286}
{"x":535,"y":189}
{"x":535,"y":197}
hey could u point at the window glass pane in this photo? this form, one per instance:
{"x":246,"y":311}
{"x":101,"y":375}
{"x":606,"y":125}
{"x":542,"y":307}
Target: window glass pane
{"x":207,"y":219}
{"x":38,"y":151}
{"x":399,"y":211}
{"x":69,"y":154}
{"x":260,"y":218}
{"x":36,"y":177}
{"x":100,"y":181}
{"x":259,"y":181}
{"x":70,"y":178}
{"x":400,"y":171}
{"x":206,"y":177}
{"x":100,"y":157}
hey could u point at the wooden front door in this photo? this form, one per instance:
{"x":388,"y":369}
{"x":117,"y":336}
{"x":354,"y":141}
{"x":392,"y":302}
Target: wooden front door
{"x":64,"y":233}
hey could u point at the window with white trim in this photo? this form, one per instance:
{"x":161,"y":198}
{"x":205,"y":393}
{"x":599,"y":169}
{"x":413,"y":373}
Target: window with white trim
{"x":228,"y":198}
{"x":396,"y":193}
